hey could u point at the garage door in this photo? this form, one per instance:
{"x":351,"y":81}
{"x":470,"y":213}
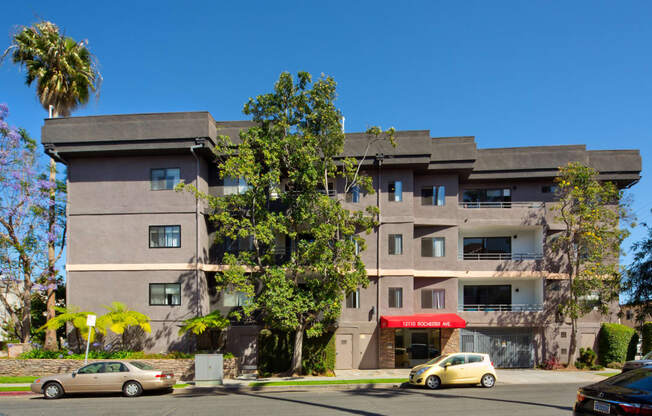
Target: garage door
{"x":507,"y":347}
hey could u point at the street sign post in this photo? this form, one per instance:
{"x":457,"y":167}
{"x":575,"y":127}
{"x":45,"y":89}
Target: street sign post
{"x":90,"y":322}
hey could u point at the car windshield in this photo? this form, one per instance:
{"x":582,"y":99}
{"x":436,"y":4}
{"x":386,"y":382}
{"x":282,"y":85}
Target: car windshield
{"x":648,"y":356}
{"x":437,"y":359}
{"x":640,"y":379}
{"x":142,"y":366}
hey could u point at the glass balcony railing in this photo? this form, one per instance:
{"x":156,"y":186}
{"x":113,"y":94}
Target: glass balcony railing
{"x":500,"y":256}
{"x":487,"y":204}
{"x":514,"y":307}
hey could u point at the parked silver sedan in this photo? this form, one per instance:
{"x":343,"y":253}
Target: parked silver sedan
{"x":130,"y":377}
{"x":634,"y":364}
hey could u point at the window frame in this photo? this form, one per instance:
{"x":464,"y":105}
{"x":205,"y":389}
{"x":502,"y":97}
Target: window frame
{"x":151,"y":181}
{"x":432,"y":195}
{"x":392,"y":238}
{"x":149,"y":233}
{"x":431,"y":292}
{"x":395,"y":290}
{"x":353,"y":196}
{"x":432,"y":246}
{"x":391,"y":191}
{"x":164,"y":295}
{"x":356,"y":298}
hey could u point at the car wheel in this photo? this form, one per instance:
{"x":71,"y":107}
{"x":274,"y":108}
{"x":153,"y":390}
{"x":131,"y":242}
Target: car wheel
{"x":488,"y":381}
{"x":52,"y":391}
{"x":433,"y":382}
{"x":132,"y":389}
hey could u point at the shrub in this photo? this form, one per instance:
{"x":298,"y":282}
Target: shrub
{"x":614,"y":342}
{"x":102,"y":355}
{"x":552,"y":363}
{"x":586,"y":359}
{"x":615,"y":365}
{"x":319,"y":355}
{"x":646,"y":332}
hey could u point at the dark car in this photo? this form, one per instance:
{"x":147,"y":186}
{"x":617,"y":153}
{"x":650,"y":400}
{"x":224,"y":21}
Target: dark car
{"x":634,"y":364}
{"x":627,"y":393}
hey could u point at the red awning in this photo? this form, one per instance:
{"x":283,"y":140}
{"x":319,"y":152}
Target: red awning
{"x":423,"y":320}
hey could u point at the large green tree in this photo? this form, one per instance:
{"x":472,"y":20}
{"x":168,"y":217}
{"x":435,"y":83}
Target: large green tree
{"x":592,"y":213}
{"x":289,"y":162}
{"x":637,"y":281}
{"x":66,"y":75}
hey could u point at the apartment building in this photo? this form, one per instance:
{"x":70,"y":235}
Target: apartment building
{"x":461,"y":260}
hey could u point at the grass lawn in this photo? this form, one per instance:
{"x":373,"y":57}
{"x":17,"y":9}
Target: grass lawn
{"x":325,"y":382}
{"x":181,"y":385}
{"x":14,"y":388}
{"x":609,"y":374}
{"x":28,"y":379}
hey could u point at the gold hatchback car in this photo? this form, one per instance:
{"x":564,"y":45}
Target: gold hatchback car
{"x":459,"y":368}
{"x":129,"y":377}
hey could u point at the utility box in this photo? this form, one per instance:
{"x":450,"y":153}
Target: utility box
{"x":209,"y":370}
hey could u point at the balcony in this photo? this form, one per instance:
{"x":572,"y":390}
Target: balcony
{"x":500,"y":256}
{"x":487,"y":204}
{"x":515,"y":307}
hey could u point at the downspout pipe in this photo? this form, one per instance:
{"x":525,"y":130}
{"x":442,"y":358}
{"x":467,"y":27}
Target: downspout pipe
{"x":199,"y":145}
{"x":379,"y":161}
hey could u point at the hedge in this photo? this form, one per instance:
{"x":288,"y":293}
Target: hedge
{"x":275,"y":350}
{"x":647,"y":338}
{"x":615,"y":343}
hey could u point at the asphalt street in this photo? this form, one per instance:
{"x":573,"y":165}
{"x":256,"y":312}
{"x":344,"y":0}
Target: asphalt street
{"x":530,"y":400}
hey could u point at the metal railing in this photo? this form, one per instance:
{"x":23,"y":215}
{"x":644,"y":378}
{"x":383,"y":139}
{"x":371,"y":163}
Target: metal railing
{"x":331,"y":192}
{"x":514,"y":307}
{"x":483,"y":204}
{"x":500,"y":256}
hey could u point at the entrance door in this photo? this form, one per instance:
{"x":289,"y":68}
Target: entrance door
{"x":418,"y":347}
{"x":343,"y":352}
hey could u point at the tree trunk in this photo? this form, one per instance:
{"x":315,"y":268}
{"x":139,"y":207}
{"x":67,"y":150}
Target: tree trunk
{"x":26,"y":319}
{"x":573,"y":343}
{"x":51,"y":334}
{"x":296,"y":367}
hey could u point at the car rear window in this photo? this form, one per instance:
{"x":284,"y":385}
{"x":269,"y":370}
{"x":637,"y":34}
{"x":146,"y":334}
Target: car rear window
{"x":648,"y":356}
{"x":141,"y":365}
{"x":636,"y":380}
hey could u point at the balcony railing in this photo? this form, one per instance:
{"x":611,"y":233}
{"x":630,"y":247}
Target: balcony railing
{"x":514,"y":307}
{"x":528,"y":204}
{"x":501,"y":256}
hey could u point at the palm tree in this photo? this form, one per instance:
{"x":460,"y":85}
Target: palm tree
{"x":119,"y":319}
{"x":65,"y":73}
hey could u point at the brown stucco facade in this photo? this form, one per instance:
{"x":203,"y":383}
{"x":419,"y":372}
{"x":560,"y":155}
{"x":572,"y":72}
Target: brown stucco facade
{"x":112,"y":206}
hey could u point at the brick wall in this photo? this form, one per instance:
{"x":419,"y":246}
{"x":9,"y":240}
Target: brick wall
{"x":184,"y":369}
{"x":387,"y":348}
{"x":450,"y":340}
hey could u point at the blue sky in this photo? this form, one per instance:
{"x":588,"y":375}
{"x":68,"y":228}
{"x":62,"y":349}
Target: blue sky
{"x":510,"y":73}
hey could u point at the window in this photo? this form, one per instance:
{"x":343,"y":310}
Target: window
{"x":356,"y":244}
{"x":433,"y":247}
{"x":563,"y":334}
{"x":487,"y":247}
{"x":235,"y":186}
{"x":640,"y":380}
{"x":395,"y":191}
{"x":454,"y":360}
{"x":629,"y":315}
{"x":353,"y":195}
{"x":473,"y":359}
{"x":233,"y":299}
{"x":549,"y":189}
{"x":554,"y":286}
{"x":395,"y":297}
{"x":165,"y":294}
{"x":162,"y":179}
{"x":162,"y":236}
{"x":433,"y":195}
{"x":433,"y":299}
{"x":487,"y":197}
{"x":487,"y":295}
{"x":396,"y":244}
{"x":353,"y":299}
{"x":115,"y":368}
{"x":92,"y":369}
